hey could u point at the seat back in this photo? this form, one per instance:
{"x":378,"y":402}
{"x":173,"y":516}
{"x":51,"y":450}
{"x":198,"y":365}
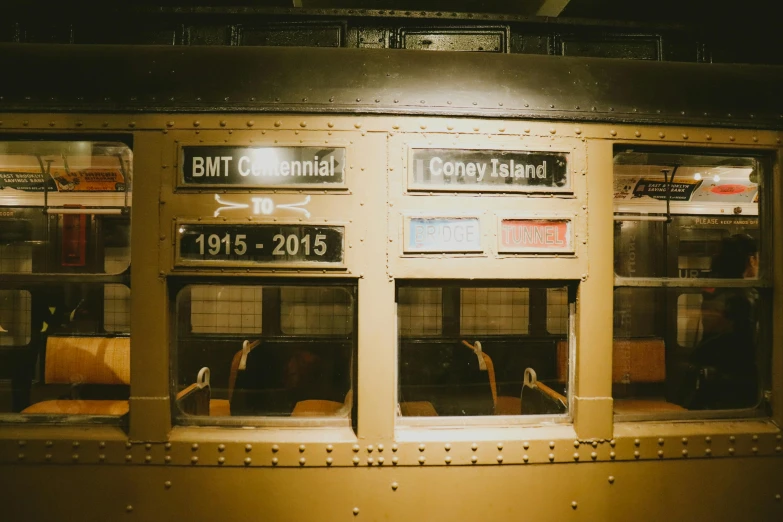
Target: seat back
{"x":633,"y":361}
{"x":87,"y":360}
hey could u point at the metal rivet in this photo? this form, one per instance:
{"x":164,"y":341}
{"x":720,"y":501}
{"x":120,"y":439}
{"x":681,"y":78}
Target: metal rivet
{"x":48,"y":456}
{"x":612,"y":455}
{"x":636,"y":454}
{"x":395,"y":460}
{"x":637,"y":442}
{"x":777,"y":497}
{"x":660,"y":441}
{"x":132,"y":124}
{"x":167,"y":459}
{"x":422,"y":126}
{"x":778,"y":437}
{"x":357,"y":125}
{"x":754,"y":449}
{"x":394,"y":447}
{"x":612,"y":443}
{"x":275,"y":448}
{"x":731,"y":451}
{"x":250,"y":123}
{"x":329,"y":461}
{"x":684,"y":453}
{"x":422,"y":459}
{"x":551,"y":444}
{"x":732,"y":438}
{"x":447,"y":446}
{"x":356,"y":511}
{"x":473,"y":459}
{"x":660,"y":453}
{"x":525,"y":457}
{"x":574,"y":504}
{"x":778,"y":449}
{"x":755,"y":438}
{"x":755,"y":138}
{"x":380,"y":461}
{"x":167,"y":484}
{"x":447,"y":459}
{"x":421,"y":447}
{"x":685,"y":440}
{"x":707,"y":439}
{"x":274,"y":461}
{"x":708,"y":451}
{"x":278,"y":123}
{"x":474,"y":446}
{"x":194,"y":447}
{"x":301,"y":448}
{"x":394,"y":486}
{"x":221,"y":460}
{"x":21,"y":456}
{"x":223,"y":123}
{"x":49,"y":444}
{"x":500,"y":459}
{"x":576,"y":456}
{"x":75,"y":444}
{"x":527,"y":131}
{"x":552,"y":131}
{"x":194,"y":459}
{"x":613,"y":132}
{"x":593,"y":455}
{"x":708,"y":137}
{"x":128,"y":508}
{"x":196,"y":123}
{"x":526,"y":444}
{"x":369,"y":448}
{"x":221,"y":447}
{"x":578,"y":130}
{"x":661,"y":135}
{"x":79,"y":123}
{"x":576,"y":443}
{"x":128,"y":458}
{"x":731,"y":138}
{"x":594,"y":444}
{"x":329,"y":448}
{"x":148,"y":446}
{"x":685,"y":136}
{"x":147,"y":458}
{"x":551,"y":457}
{"x":637,"y":134}
{"x":355,"y":448}
{"x":302,"y":461}
{"x":500,"y":445}
{"x":611,"y":479}
{"x":355,"y":461}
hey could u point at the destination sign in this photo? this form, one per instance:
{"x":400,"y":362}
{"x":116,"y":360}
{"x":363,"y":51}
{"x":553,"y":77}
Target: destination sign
{"x":442,"y":235}
{"x":228,"y":166}
{"x":489,"y":170}
{"x":535,"y":236}
{"x":249,"y":244}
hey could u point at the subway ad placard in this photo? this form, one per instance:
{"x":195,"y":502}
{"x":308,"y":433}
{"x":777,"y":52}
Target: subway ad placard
{"x":488,"y":170}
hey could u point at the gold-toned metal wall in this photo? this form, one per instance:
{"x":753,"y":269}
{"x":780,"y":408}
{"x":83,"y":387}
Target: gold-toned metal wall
{"x":587,"y":467}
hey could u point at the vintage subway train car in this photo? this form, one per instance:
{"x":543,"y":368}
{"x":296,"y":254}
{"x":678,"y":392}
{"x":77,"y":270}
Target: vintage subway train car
{"x":354,"y":284}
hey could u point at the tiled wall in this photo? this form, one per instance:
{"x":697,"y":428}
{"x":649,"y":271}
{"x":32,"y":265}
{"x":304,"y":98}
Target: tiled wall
{"x":225,"y":309}
{"x":315,"y":311}
{"x":494,"y":311}
{"x":14,"y":317}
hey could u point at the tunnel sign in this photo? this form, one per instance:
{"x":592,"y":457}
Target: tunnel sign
{"x":243,"y":167}
{"x":535,"y":236}
{"x":439,"y":235}
{"x":488,"y":170}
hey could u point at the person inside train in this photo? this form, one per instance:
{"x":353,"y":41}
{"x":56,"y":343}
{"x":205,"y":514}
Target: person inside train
{"x":723,"y":366}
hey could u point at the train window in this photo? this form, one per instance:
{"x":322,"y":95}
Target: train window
{"x":691,"y":295}
{"x":482,"y":344}
{"x":65,"y":265}
{"x":278,"y":350}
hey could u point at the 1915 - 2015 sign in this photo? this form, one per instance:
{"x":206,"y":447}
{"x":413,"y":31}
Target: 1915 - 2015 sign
{"x":481,"y":170}
{"x":245,"y":167}
{"x":254,"y":244}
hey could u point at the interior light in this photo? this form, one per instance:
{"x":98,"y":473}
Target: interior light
{"x":181,"y":230}
{"x":697,"y":176}
{"x":716,"y":178}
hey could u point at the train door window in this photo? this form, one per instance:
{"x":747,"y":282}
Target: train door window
{"x":246,"y":353}
{"x":480,"y":349}
{"x":64,"y":278}
{"x":692,"y":296}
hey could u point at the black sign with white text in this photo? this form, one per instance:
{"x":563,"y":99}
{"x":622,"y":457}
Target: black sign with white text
{"x":229,"y":166}
{"x":262,"y":244}
{"x":490,"y":170}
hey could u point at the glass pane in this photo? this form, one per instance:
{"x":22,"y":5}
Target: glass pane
{"x":42,"y":184}
{"x":473,"y":359}
{"x":60,"y":349}
{"x":683,"y":349}
{"x":272,"y":350}
{"x":714,"y":207}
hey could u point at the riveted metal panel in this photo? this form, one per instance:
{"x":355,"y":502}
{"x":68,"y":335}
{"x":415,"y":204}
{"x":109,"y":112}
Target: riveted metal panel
{"x":224,"y":34}
{"x":633,"y":47}
{"x":478,"y":39}
{"x":316,"y":34}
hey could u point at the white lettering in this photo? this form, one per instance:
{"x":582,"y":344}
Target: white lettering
{"x":243,"y":170}
{"x":433,"y":170}
{"x":198,"y":167}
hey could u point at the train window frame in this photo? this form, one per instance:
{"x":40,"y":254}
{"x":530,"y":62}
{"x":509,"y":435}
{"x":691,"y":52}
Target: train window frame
{"x":764,"y":162}
{"x":37,"y":282}
{"x":181,"y":420}
{"x":403,"y":422}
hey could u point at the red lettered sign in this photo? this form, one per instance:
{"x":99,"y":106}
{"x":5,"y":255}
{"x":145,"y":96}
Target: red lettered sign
{"x":535,"y":236}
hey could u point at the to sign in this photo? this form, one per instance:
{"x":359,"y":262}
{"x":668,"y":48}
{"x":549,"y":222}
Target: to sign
{"x":442,"y":235}
{"x":248,"y":244}
{"x":535,"y":236}
{"x":228,"y":166}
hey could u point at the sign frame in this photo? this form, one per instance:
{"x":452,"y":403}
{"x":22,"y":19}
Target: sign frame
{"x":183,"y":186}
{"x":180,"y":262}
{"x":412,"y":187}
{"x":406,"y":222}
{"x":568,"y":251}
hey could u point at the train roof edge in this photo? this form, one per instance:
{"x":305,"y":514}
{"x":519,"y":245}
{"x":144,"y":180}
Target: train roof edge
{"x":142,"y":78}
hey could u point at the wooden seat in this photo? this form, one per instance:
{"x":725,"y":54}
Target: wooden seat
{"x":418,"y":409}
{"x":85,"y":360}
{"x":316,"y":408}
